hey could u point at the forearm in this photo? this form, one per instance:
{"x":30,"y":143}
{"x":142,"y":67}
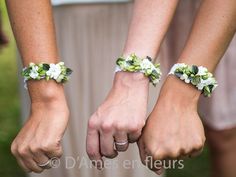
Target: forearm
{"x":33,"y":28}
{"x":211,"y":34}
{"x":149,"y":24}
{"x":213,"y":29}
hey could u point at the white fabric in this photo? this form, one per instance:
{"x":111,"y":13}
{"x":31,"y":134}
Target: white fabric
{"x":61,"y":2}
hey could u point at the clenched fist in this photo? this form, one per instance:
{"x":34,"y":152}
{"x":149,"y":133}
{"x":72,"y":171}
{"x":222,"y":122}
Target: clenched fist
{"x":173,"y":129}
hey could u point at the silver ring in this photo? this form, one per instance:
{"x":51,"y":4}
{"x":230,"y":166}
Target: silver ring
{"x":121,"y":143}
{"x":47,"y":164}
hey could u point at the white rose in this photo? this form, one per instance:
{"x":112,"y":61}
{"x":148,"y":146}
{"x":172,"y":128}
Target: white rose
{"x":54,"y":71}
{"x":201,"y":71}
{"x":34,"y":72}
{"x":146,"y":64}
{"x":185,"y":78}
{"x":209,"y":81}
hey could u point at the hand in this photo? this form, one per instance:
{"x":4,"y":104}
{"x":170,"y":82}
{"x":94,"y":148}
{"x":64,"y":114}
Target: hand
{"x":40,"y":138}
{"x":120,"y":118}
{"x":174,"y":128}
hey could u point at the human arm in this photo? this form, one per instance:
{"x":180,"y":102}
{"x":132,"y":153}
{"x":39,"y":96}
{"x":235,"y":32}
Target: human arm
{"x":122,"y":115}
{"x":40,"y":137}
{"x":174,"y":128}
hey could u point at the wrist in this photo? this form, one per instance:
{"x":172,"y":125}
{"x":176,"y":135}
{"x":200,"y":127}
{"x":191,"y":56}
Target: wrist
{"x":178,"y":92}
{"x":45,"y":92}
{"x":130,"y":79}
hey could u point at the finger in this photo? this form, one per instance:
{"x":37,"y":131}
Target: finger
{"x":22,"y":165}
{"x":121,"y":141}
{"x":93,"y":148}
{"x":40,"y":158}
{"x":27,"y":158}
{"x":134,"y":136}
{"x":14,"y":150}
{"x":195,"y":153}
{"x":159,"y":171}
{"x":54,"y":152}
{"x":107,"y":145}
{"x":142,"y":153}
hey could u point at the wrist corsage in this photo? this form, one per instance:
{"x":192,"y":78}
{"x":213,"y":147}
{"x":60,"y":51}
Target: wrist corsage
{"x":58,"y":72}
{"x":133,"y":63}
{"x":198,"y":76}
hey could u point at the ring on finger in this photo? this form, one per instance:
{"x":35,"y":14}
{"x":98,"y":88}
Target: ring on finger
{"x":121,"y":143}
{"x":48,"y":164}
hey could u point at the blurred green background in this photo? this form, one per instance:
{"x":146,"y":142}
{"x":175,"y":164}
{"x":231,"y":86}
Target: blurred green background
{"x":9,"y":102}
{"x":10,"y":116}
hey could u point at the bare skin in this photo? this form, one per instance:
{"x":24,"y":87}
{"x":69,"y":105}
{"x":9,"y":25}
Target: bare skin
{"x":174,"y":128}
{"x":122,"y":115}
{"x":40,"y":137}
{"x":222,"y":145}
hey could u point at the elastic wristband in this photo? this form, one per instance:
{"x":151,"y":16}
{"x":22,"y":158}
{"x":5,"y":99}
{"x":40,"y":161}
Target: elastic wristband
{"x":58,"y":72}
{"x":132,"y":63}
{"x":198,"y":76}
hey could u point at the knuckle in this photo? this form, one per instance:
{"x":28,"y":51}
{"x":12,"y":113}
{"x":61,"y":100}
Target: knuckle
{"x":13,"y":148}
{"x":52,"y":147}
{"x":106,"y":127}
{"x":175,"y":152}
{"x":34,"y":148}
{"x":120,"y":126}
{"x":92,"y":123}
{"x":135,"y":127}
{"x":198,"y":145}
{"x":58,"y":153}
{"x":47,"y":147}
{"x":158,"y":155}
{"x":23,"y":150}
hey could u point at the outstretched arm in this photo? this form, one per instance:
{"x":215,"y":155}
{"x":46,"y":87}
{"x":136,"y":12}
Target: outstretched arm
{"x":39,"y":139}
{"x":122,"y":115}
{"x":174,"y":128}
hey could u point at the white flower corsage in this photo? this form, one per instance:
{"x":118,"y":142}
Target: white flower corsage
{"x":58,"y":72}
{"x":133,"y":63}
{"x":198,"y":76}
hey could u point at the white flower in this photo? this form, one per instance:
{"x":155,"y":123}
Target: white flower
{"x":34,"y":72}
{"x":185,"y":78}
{"x":61,"y":63}
{"x":209,"y":81}
{"x":202,"y":71}
{"x":146,"y":64}
{"x":200,"y":86}
{"x":118,"y":69}
{"x":54,"y":71}
{"x":176,"y":66}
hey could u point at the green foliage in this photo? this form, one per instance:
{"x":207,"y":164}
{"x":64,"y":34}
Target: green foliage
{"x":9,"y":103}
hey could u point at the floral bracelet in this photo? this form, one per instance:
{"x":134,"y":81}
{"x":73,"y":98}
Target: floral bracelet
{"x":198,"y":76}
{"x":58,"y":72}
{"x":132,"y":63}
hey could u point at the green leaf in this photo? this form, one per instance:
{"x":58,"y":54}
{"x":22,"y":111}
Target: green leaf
{"x":154,"y":72}
{"x":25,"y":72}
{"x":195,"y":80}
{"x":46,"y":66}
{"x":119,"y":61}
{"x":68,"y":71}
{"x":178,"y":74}
{"x":211,"y":87}
{"x":194,"y":69}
